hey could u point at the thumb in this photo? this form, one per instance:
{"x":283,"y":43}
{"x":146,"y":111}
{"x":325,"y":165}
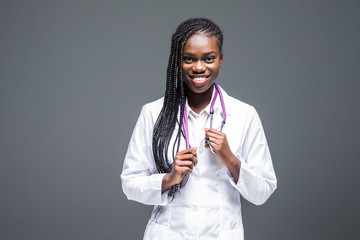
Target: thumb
{"x":194,"y":150}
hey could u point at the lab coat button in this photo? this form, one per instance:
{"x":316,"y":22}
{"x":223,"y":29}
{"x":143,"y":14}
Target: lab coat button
{"x":195,"y":209}
{"x":196,"y":178}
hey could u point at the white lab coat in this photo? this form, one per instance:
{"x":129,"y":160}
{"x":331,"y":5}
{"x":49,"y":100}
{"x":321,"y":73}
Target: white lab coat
{"x":208,"y":206}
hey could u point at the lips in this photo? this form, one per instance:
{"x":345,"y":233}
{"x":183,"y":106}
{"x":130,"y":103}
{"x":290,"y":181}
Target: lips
{"x":199,"y":79}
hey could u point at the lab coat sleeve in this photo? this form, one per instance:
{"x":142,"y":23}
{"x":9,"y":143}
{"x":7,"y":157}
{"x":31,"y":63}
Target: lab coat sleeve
{"x":139,"y":178}
{"x":257,"y":179}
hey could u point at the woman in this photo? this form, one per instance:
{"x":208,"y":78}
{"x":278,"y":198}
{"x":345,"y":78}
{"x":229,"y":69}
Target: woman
{"x":196,"y":150}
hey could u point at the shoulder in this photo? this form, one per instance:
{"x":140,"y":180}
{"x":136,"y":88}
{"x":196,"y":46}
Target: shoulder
{"x":241,"y":112}
{"x":236,"y":106}
{"x":239,"y":105}
{"x":152,"y":109}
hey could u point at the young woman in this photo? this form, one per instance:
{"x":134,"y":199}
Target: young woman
{"x":195,"y":151}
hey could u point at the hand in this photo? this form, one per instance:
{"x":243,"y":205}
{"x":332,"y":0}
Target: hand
{"x":219,"y":143}
{"x":184,"y":163}
{"x":222,"y":150}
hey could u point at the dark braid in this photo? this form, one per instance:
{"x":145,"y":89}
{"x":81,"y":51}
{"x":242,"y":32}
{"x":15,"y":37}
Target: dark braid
{"x":175,"y":94}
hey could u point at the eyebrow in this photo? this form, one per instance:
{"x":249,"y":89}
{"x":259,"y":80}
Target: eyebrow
{"x":207,"y":53}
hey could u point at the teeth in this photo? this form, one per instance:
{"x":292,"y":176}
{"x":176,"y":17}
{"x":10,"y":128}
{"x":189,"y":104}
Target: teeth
{"x":199,"y":79}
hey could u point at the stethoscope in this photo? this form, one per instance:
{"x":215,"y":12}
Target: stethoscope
{"x":185,"y":121}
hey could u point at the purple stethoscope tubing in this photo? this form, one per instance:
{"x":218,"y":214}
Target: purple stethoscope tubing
{"x":185,"y":122}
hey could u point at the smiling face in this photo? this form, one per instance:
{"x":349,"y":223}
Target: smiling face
{"x":202,"y":62}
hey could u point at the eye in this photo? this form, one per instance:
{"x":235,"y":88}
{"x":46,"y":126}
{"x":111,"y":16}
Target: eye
{"x":187,"y":59}
{"x":210,"y":59}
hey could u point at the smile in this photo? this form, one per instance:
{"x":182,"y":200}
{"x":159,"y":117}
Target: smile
{"x":199,"y":79}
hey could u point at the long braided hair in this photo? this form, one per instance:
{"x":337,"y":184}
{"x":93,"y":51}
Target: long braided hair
{"x":175,"y":95}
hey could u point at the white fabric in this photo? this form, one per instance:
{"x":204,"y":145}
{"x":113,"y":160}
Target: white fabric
{"x":208,"y":207}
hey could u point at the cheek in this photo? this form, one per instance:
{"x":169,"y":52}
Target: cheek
{"x":215,"y":68}
{"x":185,"y":68}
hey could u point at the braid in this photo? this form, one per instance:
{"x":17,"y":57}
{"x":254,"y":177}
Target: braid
{"x":174,"y":98}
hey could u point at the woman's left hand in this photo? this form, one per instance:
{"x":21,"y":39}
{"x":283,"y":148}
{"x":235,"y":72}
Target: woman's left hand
{"x":219,"y":143}
{"x":222,"y":150}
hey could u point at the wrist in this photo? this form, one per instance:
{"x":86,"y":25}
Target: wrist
{"x":233,"y":162}
{"x":167,"y":182}
{"x":234,"y":167}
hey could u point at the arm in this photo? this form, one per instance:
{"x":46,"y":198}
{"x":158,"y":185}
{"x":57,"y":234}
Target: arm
{"x":257,"y":179}
{"x":139,"y":178}
{"x":183,"y":163}
{"x":221,"y":147}
{"x":250,"y":171}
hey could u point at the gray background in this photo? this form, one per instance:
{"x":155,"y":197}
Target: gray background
{"x":74,"y":75}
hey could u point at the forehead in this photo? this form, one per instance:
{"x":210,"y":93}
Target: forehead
{"x":201,"y":43}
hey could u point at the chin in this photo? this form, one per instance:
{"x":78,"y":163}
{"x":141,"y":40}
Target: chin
{"x":199,"y":87}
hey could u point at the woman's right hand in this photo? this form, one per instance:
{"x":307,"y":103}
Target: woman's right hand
{"x":184,"y":163}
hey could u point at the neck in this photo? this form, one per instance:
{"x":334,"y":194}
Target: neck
{"x":199,"y":101}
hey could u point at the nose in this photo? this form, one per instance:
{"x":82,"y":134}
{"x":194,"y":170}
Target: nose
{"x":199,"y":67}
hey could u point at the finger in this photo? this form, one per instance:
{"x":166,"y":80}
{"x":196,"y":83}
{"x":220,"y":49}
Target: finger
{"x":184,"y":163}
{"x":210,"y":144}
{"x":195,"y":161}
{"x":186,"y":157}
{"x":214,"y":130}
{"x":180,"y":169}
{"x":188,"y":150}
{"x":214,"y":134}
{"x":188,"y":160}
{"x":215,"y":144}
{"x":193,"y":151}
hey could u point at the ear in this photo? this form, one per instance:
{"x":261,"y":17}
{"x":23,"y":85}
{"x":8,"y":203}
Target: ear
{"x":221,"y":59}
